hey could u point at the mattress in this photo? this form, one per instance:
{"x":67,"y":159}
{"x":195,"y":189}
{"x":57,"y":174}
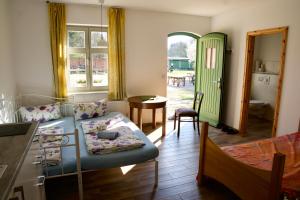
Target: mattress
{"x":93,"y":162}
{"x":260,"y":154}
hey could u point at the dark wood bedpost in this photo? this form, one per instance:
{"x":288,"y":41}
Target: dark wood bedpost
{"x":203,"y":138}
{"x":276,"y":176}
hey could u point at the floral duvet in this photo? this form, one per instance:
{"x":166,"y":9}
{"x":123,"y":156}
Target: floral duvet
{"x":50,"y":138}
{"x":126,"y":140}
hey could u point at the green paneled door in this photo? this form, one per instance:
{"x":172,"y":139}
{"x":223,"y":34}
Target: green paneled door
{"x":209,"y":75}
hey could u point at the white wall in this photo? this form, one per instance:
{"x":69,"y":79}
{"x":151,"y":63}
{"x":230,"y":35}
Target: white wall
{"x":264,"y":88}
{"x":146,"y":48}
{"x":32,"y":56}
{"x":267,"y":15}
{"x":145,"y":40}
{"x":267,"y":49}
{"x":7,"y":79}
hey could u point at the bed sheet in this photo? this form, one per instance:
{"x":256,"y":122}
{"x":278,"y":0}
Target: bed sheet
{"x":260,"y":154}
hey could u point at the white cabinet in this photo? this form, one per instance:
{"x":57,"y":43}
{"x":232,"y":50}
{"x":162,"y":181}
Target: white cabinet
{"x":29,"y":184}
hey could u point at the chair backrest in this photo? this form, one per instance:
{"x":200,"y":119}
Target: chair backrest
{"x":198,"y":101}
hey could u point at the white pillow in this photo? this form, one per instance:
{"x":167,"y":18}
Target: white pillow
{"x":41,"y":113}
{"x":90,"y":110}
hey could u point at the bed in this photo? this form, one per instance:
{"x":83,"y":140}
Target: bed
{"x":139,"y":155}
{"x":75,"y":157}
{"x":93,"y":162}
{"x":265,"y":169}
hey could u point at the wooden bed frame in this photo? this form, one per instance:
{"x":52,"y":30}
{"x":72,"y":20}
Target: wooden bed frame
{"x":245,"y":181}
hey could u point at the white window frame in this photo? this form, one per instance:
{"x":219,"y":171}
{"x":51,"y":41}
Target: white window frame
{"x":88,"y":50}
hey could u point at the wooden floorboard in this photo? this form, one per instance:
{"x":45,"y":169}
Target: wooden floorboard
{"x":178,"y":164}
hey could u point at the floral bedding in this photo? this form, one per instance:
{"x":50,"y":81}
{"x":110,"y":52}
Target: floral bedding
{"x":41,"y":113}
{"x":51,"y":156}
{"x":90,"y":110}
{"x":50,"y":134}
{"x":125,"y":141}
{"x":49,"y":139}
{"x":94,"y":126}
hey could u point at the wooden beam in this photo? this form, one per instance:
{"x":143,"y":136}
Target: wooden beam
{"x":268,"y":31}
{"x":247,"y":84}
{"x":280,"y":80}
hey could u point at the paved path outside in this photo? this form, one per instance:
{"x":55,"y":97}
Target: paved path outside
{"x":179,"y":97}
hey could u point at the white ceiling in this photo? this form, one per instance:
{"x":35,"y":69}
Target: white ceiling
{"x":192,"y":7}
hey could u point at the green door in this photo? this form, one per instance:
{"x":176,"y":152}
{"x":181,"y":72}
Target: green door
{"x":209,"y":75}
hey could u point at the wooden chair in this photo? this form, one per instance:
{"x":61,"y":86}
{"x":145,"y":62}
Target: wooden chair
{"x":188,"y":112}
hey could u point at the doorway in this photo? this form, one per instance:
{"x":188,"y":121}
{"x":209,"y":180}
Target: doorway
{"x":182,"y":58}
{"x":263,"y":78}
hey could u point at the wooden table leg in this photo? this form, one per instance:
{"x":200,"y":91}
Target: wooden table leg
{"x":164,"y":121}
{"x":153,"y":118}
{"x":140,"y":125}
{"x":131,"y":114}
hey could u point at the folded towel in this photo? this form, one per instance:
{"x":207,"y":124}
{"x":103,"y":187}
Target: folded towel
{"x":110,"y":135}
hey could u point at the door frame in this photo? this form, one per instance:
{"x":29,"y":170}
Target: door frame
{"x":248,"y":75}
{"x":196,"y":37}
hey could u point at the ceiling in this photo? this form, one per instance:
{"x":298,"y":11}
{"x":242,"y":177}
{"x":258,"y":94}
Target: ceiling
{"x":192,"y":7}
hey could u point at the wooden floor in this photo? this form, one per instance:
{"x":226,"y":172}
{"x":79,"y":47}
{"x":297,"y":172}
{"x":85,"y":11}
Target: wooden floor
{"x":178,"y":163}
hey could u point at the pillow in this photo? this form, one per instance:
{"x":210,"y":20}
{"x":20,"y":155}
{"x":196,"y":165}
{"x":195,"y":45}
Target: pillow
{"x":41,"y":113}
{"x":90,"y":110}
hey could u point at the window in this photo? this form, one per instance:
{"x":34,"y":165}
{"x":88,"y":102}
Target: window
{"x":210,"y":58}
{"x":87,"y":58}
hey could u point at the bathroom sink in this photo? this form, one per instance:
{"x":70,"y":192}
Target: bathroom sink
{"x":13,"y":129}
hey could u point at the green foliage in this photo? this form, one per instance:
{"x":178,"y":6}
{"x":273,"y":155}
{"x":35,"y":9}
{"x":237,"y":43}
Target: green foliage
{"x":81,"y":81}
{"x":97,"y":81}
{"x":178,"y":49}
{"x":76,"y":39}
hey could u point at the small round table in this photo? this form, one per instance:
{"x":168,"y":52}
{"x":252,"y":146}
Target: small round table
{"x":148,"y":102}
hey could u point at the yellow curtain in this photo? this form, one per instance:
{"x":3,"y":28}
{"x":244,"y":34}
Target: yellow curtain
{"x":57,"y":23}
{"x":116,"y":54}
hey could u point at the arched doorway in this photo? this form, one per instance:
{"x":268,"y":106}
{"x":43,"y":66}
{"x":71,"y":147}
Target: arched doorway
{"x":182,"y":58}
